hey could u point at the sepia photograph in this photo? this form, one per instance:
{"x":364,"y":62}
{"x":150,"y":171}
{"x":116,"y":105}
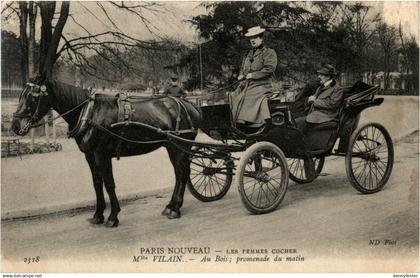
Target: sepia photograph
{"x":209,"y":137}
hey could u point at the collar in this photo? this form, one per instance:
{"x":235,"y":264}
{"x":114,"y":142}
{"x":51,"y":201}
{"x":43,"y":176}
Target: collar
{"x":328,"y":83}
{"x":255,"y":50}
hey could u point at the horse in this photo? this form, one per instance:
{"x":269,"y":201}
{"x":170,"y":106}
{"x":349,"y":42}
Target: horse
{"x":100,"y":146}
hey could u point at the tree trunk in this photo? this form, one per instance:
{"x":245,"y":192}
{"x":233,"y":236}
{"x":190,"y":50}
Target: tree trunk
{"x":47,"y":9}
{"x":386,"y":73}
{"x":51,"y":56}
{"x":23,"y":19}
{"x":31,"y":50}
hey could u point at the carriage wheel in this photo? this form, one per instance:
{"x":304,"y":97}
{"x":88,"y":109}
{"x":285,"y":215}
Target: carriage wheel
{"x":370,"y":158}
{"x":297,"y":169}
{"x":210,"y":177}
{"x":262,"y":177}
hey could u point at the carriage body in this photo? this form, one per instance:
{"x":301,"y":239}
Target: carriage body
{"x":282,"y":130}
{"x":281,"y":138}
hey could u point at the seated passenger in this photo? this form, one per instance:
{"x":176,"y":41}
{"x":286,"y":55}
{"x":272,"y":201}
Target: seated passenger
{"x":249,"y":102}
{"x":325,"y":104}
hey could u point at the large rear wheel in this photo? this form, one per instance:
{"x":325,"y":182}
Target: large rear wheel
{"x":369,"y":158}
{"x":262,"y":177}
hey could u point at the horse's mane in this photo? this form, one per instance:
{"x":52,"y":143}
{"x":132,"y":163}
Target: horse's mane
{"x":69,"y":94}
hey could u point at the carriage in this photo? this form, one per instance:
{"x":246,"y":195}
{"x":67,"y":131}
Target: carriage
{"x":274,"y":154}
{"x":107,"y":126}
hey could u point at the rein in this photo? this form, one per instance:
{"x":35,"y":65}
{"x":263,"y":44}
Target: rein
{"x":61,"y":115}
{"x":226,"y":87}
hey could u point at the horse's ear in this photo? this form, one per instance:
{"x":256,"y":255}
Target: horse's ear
{"x":38,"y":79}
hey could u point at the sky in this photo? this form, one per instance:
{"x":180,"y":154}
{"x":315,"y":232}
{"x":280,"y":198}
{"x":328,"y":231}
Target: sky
{"x":171,"y":20}
{"x":405,"y":11}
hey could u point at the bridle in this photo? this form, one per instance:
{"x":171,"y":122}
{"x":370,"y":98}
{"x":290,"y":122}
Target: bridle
{"x":42,"y":92}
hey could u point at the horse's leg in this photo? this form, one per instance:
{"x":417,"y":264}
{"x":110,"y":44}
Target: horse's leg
{"x":180,"y":162}
{"x":98,"y":217}
{"x":105,"y":165}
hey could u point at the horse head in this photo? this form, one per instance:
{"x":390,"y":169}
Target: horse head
{"x":34,"y":103}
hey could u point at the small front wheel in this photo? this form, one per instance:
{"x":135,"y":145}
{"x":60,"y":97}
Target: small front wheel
{"x":262,"y":177}
{"x":369,"y":158}
{"x":211,"y":175}
{"x":297,"y":169}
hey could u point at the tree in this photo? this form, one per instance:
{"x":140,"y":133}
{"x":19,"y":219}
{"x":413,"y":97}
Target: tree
{"x":410,"y":69}
{"x":304,"y":36}
{"x":359,"y":23}
{"x":78,"y":48}
{"x":223,"y":30}
{"x":10,"y":59}
{"x":32,"y":12}
{"x":387,"y":36}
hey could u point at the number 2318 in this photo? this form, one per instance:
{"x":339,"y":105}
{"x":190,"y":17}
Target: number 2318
{"x":31,"y":260}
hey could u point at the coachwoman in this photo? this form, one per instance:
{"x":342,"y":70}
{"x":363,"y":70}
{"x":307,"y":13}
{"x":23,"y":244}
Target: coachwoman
{"x":249,"y":103}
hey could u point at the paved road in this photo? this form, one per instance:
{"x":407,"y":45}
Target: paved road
{"x":327,"y":223}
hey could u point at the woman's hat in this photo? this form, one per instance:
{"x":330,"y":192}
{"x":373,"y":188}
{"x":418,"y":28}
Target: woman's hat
{"x":328,"y":70}
{"x":254,"y":31}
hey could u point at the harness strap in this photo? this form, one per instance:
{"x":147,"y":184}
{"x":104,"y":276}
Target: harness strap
{"x":85,"y":114}
{"x":61,"y":115}
{"x":98,"y":126}
{"x":125,"y":109}
{"x":180,"y":105}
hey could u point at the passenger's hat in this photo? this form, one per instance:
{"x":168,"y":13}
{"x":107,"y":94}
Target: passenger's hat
{"x":328,"y":70}
{"x":254,"y":31}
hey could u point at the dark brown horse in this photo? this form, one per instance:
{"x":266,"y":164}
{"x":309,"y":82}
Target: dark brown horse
{"x":99,"y":146}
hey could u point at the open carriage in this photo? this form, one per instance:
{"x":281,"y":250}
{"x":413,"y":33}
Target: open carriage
{"x":275,"y":153}
{"x":107,"y":126}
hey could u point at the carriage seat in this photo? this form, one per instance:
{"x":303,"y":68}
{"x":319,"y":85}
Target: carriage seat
{"x":326,"y":126}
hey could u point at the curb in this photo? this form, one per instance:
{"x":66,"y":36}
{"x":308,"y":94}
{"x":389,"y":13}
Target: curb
{"x":81,"y":205}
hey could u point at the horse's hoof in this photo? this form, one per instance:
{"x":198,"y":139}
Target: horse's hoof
{"x":173,"y":214}
{"x":97,"y":220}
{"x":166,"y":211}
{"x":112,"y":223}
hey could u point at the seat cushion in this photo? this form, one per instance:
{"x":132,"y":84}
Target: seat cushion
{"x":325,"y":126}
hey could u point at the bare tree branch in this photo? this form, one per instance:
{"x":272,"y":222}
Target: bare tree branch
{"x":94,"y":15}
{"x":13,"y":11}
{"x":107,"y":16}
{"x":8,"y":6}
{"x":138,"y":13}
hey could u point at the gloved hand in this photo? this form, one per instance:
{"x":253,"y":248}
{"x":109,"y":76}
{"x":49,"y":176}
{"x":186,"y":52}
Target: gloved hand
{"x":311,"y":99}
{"x":241,"y":77}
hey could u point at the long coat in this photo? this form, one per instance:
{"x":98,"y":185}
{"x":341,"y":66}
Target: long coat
{"x":249,"y":103}
{"x":327,"y":104}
